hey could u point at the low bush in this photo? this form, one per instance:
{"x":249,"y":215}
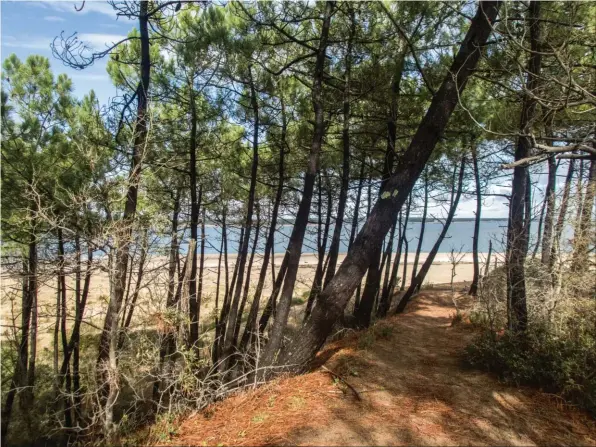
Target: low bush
{"x":562,"y":361}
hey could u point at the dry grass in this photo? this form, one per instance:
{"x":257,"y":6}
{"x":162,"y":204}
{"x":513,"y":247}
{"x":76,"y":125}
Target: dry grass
{"x":413,"y":389}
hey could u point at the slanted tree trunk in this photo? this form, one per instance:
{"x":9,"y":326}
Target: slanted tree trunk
{"x":308,"y":340}
{"x":322,"y":236}
{"x":517,"y":237}
{"x":419,"y":279}
{"x":422,"y":228}
{"x":373,"y":279}
{"x":297,"y":237}
{"x":195,"y":204}
{"x":248,"y":270}
{"x":107,"y":367}
{"x":549,"y":200}
{"x":368,"y":208}
{"x":345,"y":176}
{"x":385,"y":301}
{"x":474,"y":286}
{"x":251,"y":323}
{"x":233,"y":314}
{"x":560,"y":225}
{"x":581,"y":241}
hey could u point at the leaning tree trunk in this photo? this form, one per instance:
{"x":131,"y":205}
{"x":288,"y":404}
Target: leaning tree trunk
{"x":345,"y":176}
{"x":422,"y":228}
{"x":297,"y":236}
{"x":19,"y":378}
{"x":195,"y":203}
{"x":517,"y":237}
{"x":323,"y":235}
{"x":581,"y":243}
{"x":107,"y":358}
{"x":269,"y":245}
{"x":373,"y":279}
{"x":549,"y":200}
{"x":309,"y":339}
{"x":419,"y":279}
{"x":233,"y":314}
{"x":474,"y":286}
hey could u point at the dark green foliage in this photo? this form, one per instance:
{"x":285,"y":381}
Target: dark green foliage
{"x":562,"y":363}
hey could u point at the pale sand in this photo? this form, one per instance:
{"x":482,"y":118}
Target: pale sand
{"x":152,"y":296}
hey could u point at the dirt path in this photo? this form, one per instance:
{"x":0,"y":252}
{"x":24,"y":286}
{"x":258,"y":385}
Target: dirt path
{"x":411,"y":390}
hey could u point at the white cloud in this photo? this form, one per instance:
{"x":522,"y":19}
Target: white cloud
{"x":90,"y":76}
{"x":100,"y":41}
{"x":54,"y":19}
{"x":36,"y":43}
{"x":101,"y":7}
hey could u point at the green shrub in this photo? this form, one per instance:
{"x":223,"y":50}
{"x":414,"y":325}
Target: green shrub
{"x":562,"y":362}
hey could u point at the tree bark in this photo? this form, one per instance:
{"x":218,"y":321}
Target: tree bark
{"x":322,"y":236}
{"x":251,"y":323}
{"x":233,"y":315}
{"x":334,"y":298}
{"x":419,"y":279}
{"x":558,"y":231}
{"x":549,"y":199}
{"x":297,"y":236}
{"x":517,"y":238}
{"x":581,"y":241}
{"x":422,"y":228}
{"x":195,"y":204}
{"x":107,"y":358}
{"x":345,"y":179}
{"x":474,"y":286}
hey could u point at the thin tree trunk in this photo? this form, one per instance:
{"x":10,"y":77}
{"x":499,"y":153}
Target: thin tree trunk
{"x":297,"y":237}
{"x":309,"y":339}
{"x":419,"y":279}
{"x":368,"y":207}
{"x":422,"y":228}
{"x":345,"y":179}
{"x":490,"y":251}
{"x":248,"y":270}
{"x":549,"y":199}
{"x":323,"y":235}
{"x":195,"y":204}
{"x":518,"y":234}
{"x":251,"y":323}
{"x":581,"y":241}
{"x":560,"y":225}
{"x":233,"y":315}
{"x":107,"y":358}
{"x":474,"y":286}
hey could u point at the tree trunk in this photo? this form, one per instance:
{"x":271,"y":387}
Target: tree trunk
{"x":107,"y":358}
{"x":345,"y":179}
{"x":251,"y":323}
{"x":549,"y":199}
{"x":233,"y":315}
{"x":422,"y":228}
{"x":419,"y":279}
{"x":195,"y":204}
{"x":474,"y":286}
{"x":323,"y":235}
{"x":334,"y":298}
{"x":297,"y":236}
{"x":581,"y":241}
{"x":558,"y":232}
{"x":517,"y":238}
{"x":248,"y":270}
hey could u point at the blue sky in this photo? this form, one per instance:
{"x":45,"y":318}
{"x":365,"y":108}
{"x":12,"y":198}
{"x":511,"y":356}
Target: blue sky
{"x":28,"y":27}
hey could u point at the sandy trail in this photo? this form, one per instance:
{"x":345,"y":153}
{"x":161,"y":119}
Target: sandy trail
{"x":413,"y":391}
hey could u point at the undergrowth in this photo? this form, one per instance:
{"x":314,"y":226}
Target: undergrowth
{"x":556,"y":353}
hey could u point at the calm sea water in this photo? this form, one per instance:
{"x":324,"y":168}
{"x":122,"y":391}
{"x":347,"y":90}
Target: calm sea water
{"x":459,"y":237}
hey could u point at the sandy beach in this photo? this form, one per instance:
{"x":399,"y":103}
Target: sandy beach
{"x":152,"y":295}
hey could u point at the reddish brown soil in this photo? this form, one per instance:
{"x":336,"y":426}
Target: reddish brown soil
{"x":413,"y":391}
